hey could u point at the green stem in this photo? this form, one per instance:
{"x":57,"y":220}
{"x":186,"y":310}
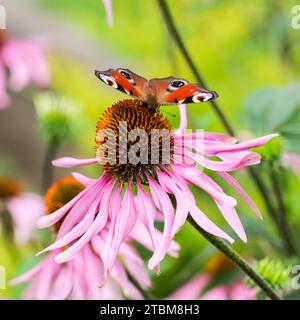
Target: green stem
{"x":282,"y":216}
{"x":178,"y":40}
{"x":238,"y":260}
{"x":47,"y":177}
{"x":272,"y":211}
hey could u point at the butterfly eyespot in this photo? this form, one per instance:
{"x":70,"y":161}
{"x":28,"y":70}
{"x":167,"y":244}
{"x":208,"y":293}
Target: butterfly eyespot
{"x":203,"y":97}
{"x":174,"y":85}
{"x":109,"y":81}
{"x":126,"y":75}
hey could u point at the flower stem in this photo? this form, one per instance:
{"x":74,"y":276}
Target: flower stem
{"x":178,"y":40}
{"x":285,"y":229}
{"x":229,"y":128}
{"x":47,"y":177}
{"x":238,"y":260}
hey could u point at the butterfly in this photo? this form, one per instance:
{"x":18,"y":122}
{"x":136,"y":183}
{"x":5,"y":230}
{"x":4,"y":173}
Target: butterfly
{"x":156,"y":91}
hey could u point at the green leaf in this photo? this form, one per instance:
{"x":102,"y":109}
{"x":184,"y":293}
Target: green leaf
{"x":270,"y":108}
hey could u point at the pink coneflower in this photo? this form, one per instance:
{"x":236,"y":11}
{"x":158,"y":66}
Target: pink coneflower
{"x":197,"y":287}
{"x":85,"y":277}
{"x":20,"y":210}
{"x":25,"y":62}
{"x":149,"y":188}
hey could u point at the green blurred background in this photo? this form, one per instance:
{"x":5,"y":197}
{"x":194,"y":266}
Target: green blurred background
{"x":246,"y":50}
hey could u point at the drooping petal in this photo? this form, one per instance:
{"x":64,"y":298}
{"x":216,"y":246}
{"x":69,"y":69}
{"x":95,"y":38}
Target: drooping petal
{"x":98,"y":224}
{"x":147,"y":213}
{"x":204,"y":182}
{"x":182,"y":200}
{"x":226,"y":176}
{"x":124,"y":223}
{"x":163,"y":203}
{"x":231,"y":216}
{"x":205,"y":223}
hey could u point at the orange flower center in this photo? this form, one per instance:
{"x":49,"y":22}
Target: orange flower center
{"x":9,"y":188}
{"x":60,"y":193}
{"x":125,"y":132}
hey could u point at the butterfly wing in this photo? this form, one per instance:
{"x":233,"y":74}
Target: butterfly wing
{"x":125,"y":81}
{"x":174,"y":91}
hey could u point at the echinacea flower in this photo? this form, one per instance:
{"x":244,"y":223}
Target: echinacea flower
{"x":25,"y":62}
{"x":20,"y":210}
{"x":80,"y":278}
{"x":153,"y":166}
{"x":199,"y":286}
{"x":85,"y":276}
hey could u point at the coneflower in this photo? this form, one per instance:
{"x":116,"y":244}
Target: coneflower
{"x":146,"y":169}
{"x":19,"y":210}
{"x":24,"y":61}
{"x":85,"y":276}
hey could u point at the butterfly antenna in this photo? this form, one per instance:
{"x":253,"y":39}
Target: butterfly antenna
{"x":173,"y":115}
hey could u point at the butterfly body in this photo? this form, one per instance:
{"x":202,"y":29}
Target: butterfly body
{"x":156,"y":91}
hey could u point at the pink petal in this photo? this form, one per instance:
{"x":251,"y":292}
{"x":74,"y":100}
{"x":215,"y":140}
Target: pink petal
{"x":205,"y":223}
{"x":183,"y":119}
{"x":163,"y":203}
{"x":192,"y":289}
{"x":84,"y":180}
{"x":182,"y":201}
{"x":29,"y":275}
{"x":125,"y":222}
{"x":147,"y":212}
{"x":242,"y":146}
{"x":217,"y":293}
{"x":241,"y":191}
{"x":67,"y":162}
{"x":78,"y":230}
{"x":98,"y":224}
{"x":231,"y":216}
{"x":204,"y":182}
{"x":108,"y":9}
{"x":240,"y":292}
{"x":119,"y":274}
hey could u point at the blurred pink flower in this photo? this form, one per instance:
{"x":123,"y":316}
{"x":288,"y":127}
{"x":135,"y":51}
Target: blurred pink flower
{"x":98,"y":204}
{"x":108,"y":9}
{"x":83,"y":277}
{"x":195,"y":289}
{"x":24,"y":209}
{"x":25,"y":61}
{"x":291,"y":160}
